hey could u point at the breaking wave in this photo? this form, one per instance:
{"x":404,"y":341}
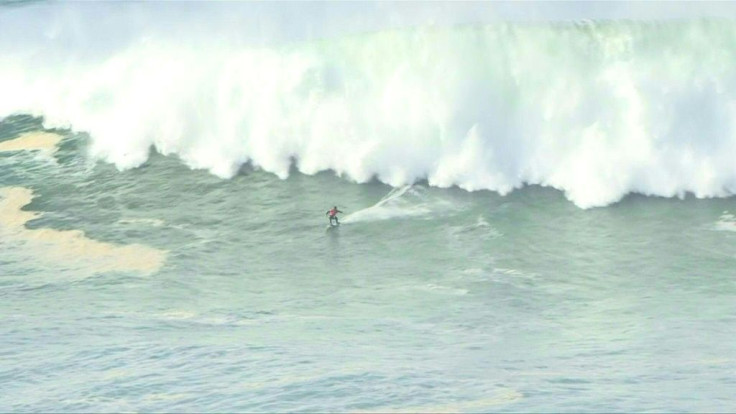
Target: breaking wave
{"x":595,"y":109}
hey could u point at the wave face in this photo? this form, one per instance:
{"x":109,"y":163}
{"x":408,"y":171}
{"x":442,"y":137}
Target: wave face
{"x":596,"y":110}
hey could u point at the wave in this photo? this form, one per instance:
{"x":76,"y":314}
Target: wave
{"x":595,"y":109}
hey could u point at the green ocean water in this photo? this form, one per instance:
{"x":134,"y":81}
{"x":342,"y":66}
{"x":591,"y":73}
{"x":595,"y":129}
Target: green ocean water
{"x":424,"y":299}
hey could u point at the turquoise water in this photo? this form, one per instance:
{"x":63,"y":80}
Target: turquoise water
{"x":539,"y":207}
{"x":424,"y":299}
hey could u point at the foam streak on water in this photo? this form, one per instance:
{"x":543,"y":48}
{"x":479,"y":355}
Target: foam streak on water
{"x":36,"y":141}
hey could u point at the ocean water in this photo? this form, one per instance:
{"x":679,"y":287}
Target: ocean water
{"x":538,"y":216}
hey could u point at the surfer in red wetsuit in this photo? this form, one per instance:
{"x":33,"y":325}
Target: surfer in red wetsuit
{"x":333,"y":215}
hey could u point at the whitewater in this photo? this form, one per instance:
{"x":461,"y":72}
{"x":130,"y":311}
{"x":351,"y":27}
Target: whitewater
{"x":595,"y":109}
{"x":538,"y":207}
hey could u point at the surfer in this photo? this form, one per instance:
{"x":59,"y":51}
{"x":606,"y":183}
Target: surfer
{"x":333,"y":215}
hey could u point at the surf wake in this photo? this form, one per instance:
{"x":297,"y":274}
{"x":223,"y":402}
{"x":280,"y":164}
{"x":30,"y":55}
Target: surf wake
{"x":390,"y":206}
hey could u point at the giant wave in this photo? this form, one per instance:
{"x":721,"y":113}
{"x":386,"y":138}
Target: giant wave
{"x":595,"y":109}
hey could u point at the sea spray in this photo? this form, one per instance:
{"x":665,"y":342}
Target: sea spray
{"x":597,"y":110}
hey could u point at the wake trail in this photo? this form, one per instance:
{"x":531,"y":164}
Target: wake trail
{"x":401,"y":202}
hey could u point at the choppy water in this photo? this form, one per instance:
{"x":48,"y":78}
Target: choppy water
{"x":423,"y":300}
{"x":165,"y":248}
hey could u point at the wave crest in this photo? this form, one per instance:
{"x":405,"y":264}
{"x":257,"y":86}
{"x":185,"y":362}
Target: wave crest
{"x":597,"y":110}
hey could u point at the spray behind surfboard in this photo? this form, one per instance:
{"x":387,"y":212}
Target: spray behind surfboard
{"x":401,"y":202}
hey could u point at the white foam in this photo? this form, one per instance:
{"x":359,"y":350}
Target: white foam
{"x":70,"y":248}
{"x":392,"y":205}
{"x":153,"y":222}
{"x":593,"y":110}
{"x":440,"y":289}
{"x":480,"y":229}
{"x":496,"y":398}
{"x":727,"y":222}
{"x":32,"y":141}
{"x":179,"y":315}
